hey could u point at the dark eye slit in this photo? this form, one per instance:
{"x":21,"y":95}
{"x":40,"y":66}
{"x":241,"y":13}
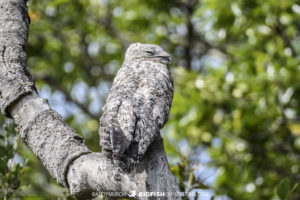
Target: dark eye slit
{"x":149,"y":52}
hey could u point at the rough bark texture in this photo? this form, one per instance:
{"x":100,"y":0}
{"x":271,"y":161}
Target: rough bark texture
{"x":51,"y":140}
{"x":96,"y":173}
{"x":59,"y":148}
{"x":14,"y":76}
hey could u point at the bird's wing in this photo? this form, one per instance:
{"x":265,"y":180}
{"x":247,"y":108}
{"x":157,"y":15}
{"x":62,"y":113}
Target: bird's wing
{"x":114,"y":136}
{"x":164,"y":93}
{"x":121,"y":136}
{"x":144,"y":133}
{"x":107,"y":123}
{"x":156,"y":97}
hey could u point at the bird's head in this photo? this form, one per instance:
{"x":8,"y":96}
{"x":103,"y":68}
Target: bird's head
{"x":148,"y":52}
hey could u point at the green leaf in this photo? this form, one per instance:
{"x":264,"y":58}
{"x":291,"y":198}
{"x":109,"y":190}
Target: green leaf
{"x":282,"y":188}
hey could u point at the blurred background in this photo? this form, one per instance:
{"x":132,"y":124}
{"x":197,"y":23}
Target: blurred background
{"x":234,"y":128}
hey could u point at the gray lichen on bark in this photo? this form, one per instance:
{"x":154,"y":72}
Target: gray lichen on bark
{"x":15,"y":78}
{"x":53,"y":142}
{"x":59,"y":148}
{"x":45,"y":132}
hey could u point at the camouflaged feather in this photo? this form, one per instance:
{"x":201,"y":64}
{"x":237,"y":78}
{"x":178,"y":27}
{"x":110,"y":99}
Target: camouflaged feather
{"x":137,"y":106}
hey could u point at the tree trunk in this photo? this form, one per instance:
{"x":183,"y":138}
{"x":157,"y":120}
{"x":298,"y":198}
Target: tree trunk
{"x":64,"y":153}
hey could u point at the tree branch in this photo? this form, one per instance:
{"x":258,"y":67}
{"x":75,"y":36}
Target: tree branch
{"x":59,"y":148}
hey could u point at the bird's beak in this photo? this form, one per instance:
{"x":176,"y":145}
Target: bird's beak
{"x":166,"y":57}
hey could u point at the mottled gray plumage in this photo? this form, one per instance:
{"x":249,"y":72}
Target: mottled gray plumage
{"x":138,"y":104}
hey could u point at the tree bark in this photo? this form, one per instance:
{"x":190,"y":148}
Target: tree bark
{"x":64,"y":153}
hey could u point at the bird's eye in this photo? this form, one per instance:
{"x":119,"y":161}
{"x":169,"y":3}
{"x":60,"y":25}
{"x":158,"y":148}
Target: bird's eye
{"x":151,"y":53}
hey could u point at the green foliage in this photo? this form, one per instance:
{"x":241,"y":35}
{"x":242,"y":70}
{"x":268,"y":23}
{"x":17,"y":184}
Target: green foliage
{"x":10,"y":170}
{"x":283,"y":188}
{"x":237,"y":91}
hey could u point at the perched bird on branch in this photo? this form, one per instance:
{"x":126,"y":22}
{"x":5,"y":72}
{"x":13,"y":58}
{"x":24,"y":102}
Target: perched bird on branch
{"x":137,"y":106}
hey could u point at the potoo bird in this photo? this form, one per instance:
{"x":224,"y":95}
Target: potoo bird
{"x":137,"y":106}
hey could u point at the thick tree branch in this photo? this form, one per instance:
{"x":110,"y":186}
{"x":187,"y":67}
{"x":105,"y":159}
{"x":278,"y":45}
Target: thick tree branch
{"x":59,"y":148}
{"x":15,"y":79}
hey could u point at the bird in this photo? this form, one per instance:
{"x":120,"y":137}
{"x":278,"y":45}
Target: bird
{"x":137,"y":106}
